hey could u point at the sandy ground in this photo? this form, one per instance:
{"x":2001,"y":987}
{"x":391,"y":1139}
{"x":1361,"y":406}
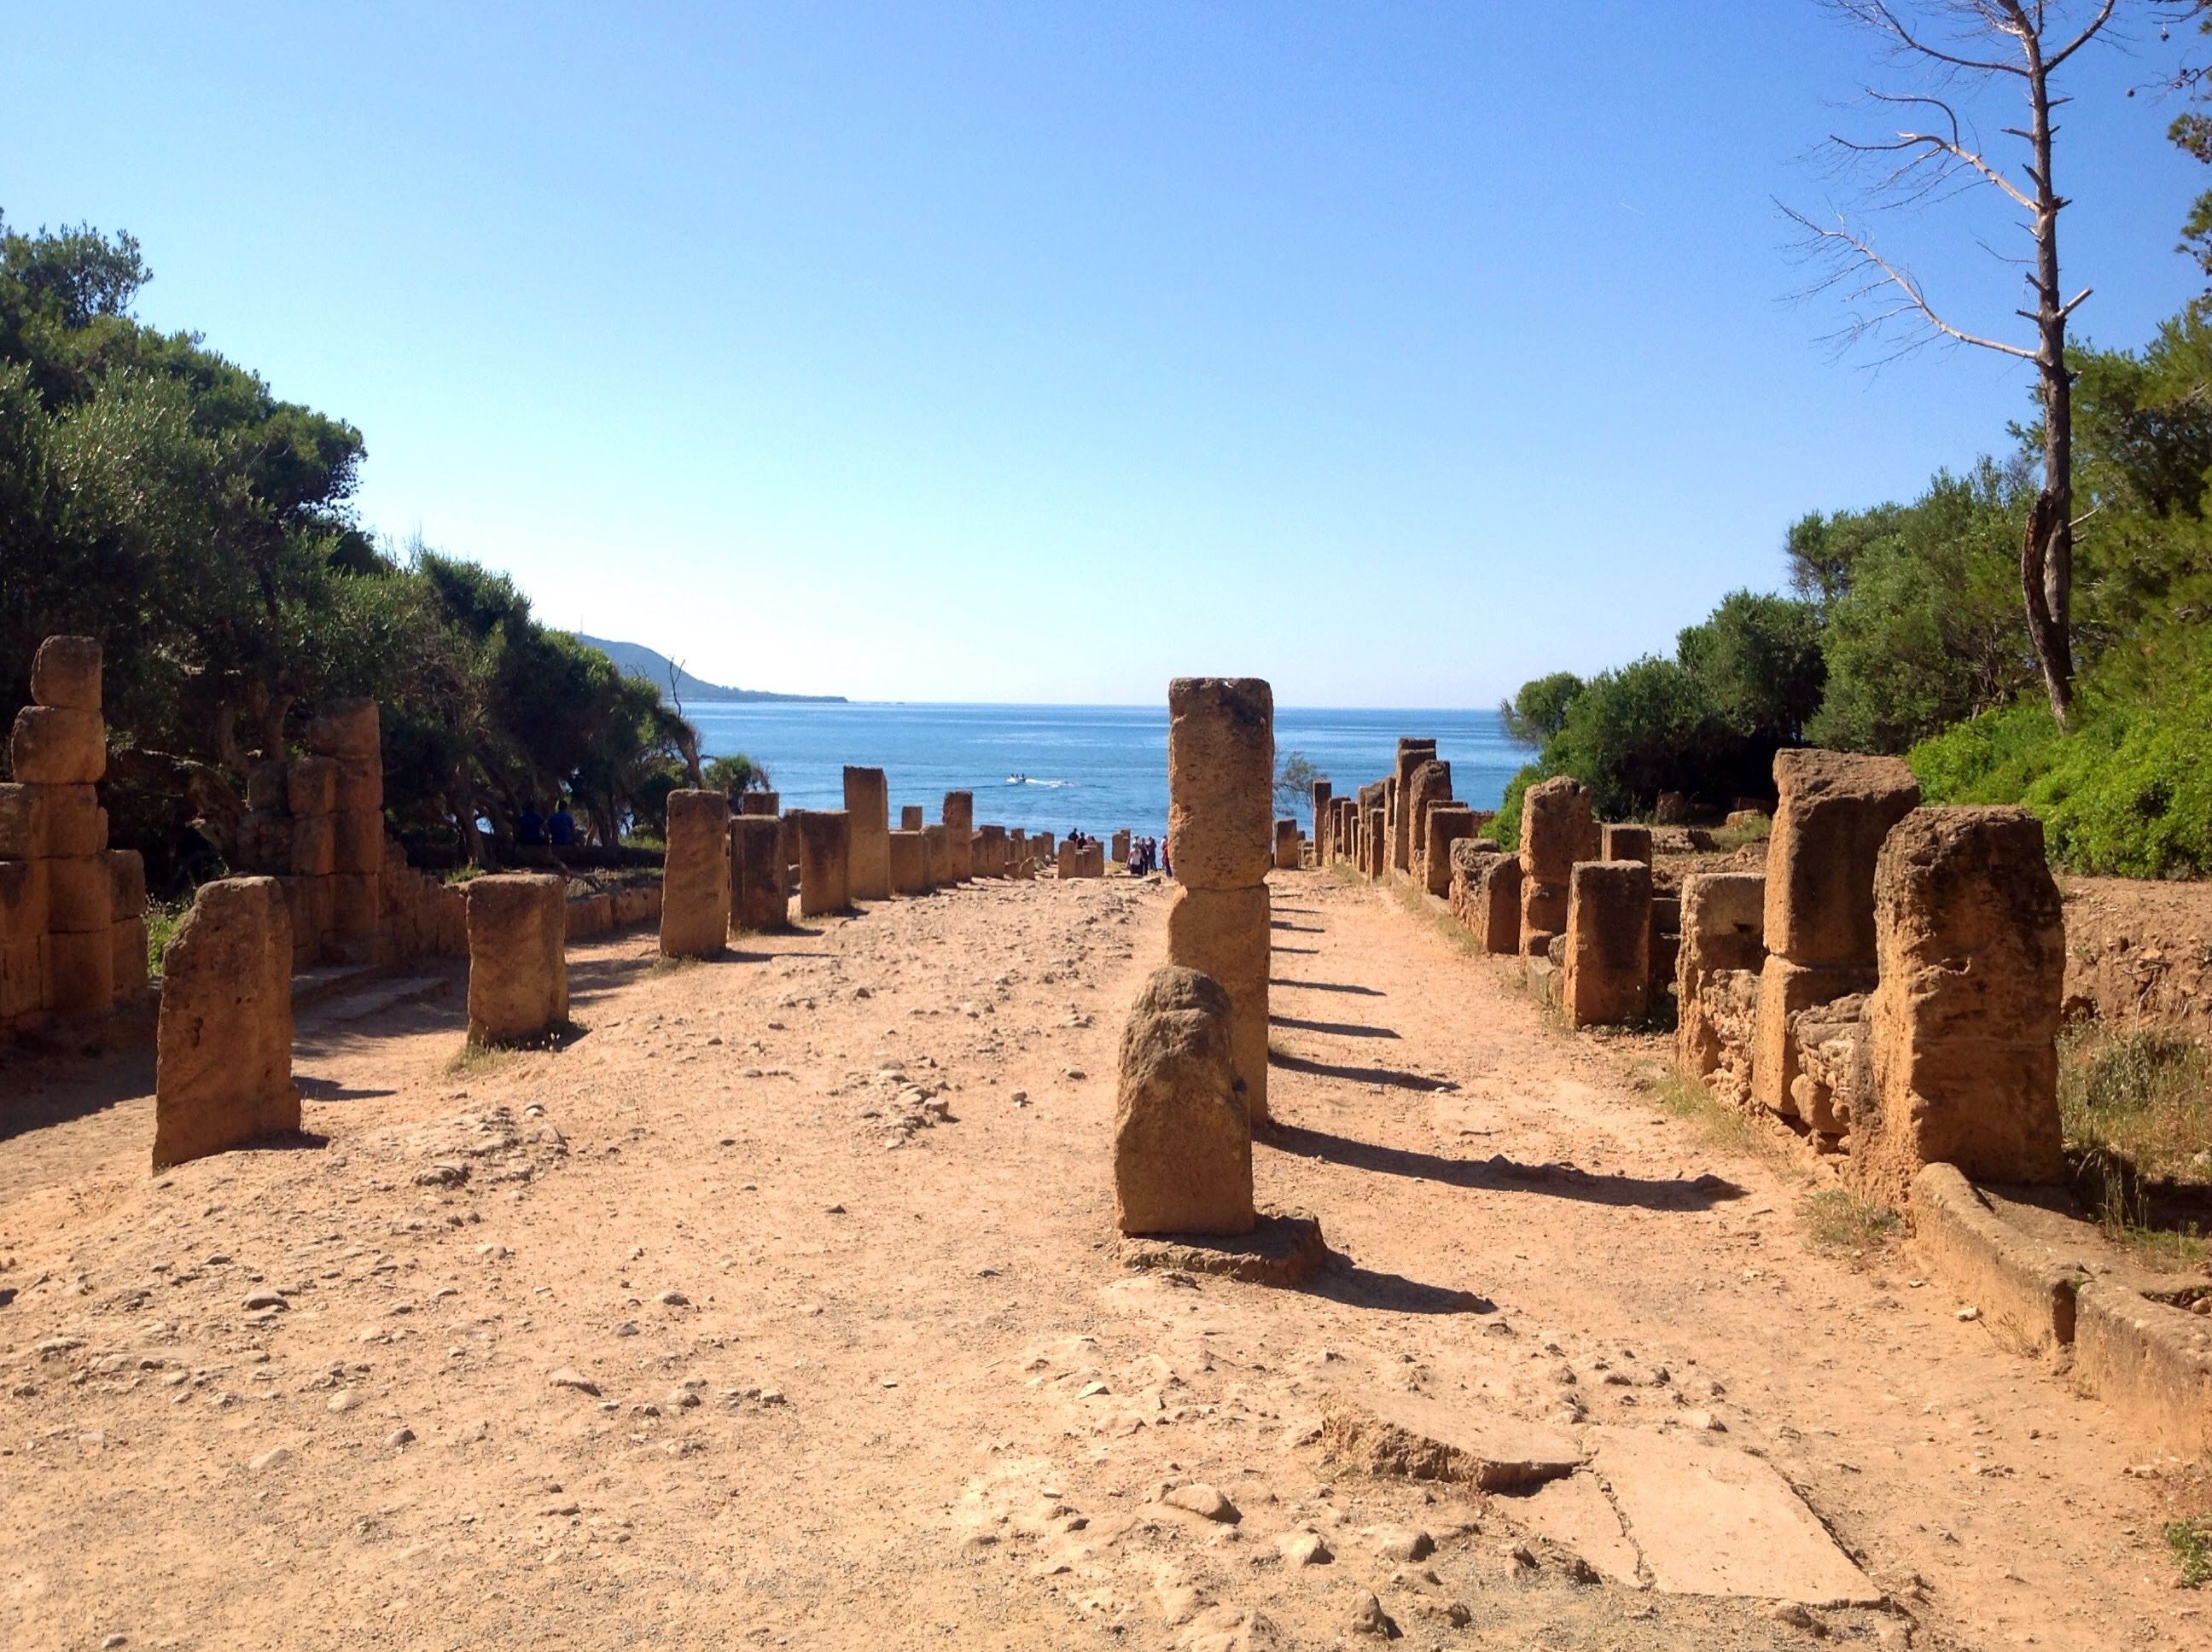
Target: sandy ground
{"x":782,"y":1308}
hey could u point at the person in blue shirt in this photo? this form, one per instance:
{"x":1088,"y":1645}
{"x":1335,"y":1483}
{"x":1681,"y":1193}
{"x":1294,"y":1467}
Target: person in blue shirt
{"x":561,"y":826}
{"x":530,"y":827}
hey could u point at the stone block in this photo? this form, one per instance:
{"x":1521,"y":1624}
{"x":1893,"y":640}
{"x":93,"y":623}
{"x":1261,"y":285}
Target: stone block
{"x":308,"y":902}
{"x":909,"y":862}
{"x":2148,"y":1361}
{"x":518,"y":927}
{"x":990,"y":851}
{"x":75,"y":824}
{"x":80,"y":974}
{"x":1605,"y":979}
{"x":867,"y":806}
{"x":1494,"y":913}
{"x":311,"y":786}
{"x":126,"y":876}
{"x":315,"y":845}
{"x":760,"y":802}
{"x":265,"y":840}
{"x":268,"y":785}
{"x":586,"y":916}
{"x":1624,"y":843}
{"x":65,"y":672}
{"x":760,"y":901}
{"x":1225,"y":933}
{"x":360,"y":785}
{"x":1068,"y":862}
{"x":1443,"y":828}
{"x":1221,"y":776}
{"x":2025,"y":1291}
{"x":826,"y":838}
{"x":223,"y":1073}
{"x":1429,"y":784}
{"x":358,"y":845}
{"x":911,"y":818}
{"x":1833,"y":810}
{"x":1971,"y":939}
{"x":695,"y":879}
{"x":22,"y":901}
{"x":78,"y":893}
{"x":1557,"y":830}
{"x":127,"y":946}
{"x":54,"y":745}
{"x":1374,"y":845}
{"x":1322,"y":800}
{"x":22,"y":978}
{"x":1182,"y":1138}
{"x":23,"y":821}
{"x":937,"y":845}
{"x":1723,"y":925}
{"x":959,"y":819}
{"x":346,"y":728}
{"x":1785,"y":990}
{"x":1398,"y":850}
{"x":356,"y":905}
{"x":1093,"y":862}
{"x":1543,"y":905}
{"x":1284,"y":855}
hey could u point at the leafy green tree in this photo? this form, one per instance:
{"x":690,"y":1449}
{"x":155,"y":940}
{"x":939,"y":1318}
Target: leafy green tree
{"x":1294,"y":783}
{"x":1540,"y":710}
{"x":737,"y":775}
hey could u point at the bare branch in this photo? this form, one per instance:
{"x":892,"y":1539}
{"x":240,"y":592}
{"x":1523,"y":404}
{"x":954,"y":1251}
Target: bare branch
{"x":1856,"y":259}
{"x":2088,"y":33}
{"x":1877,"y":15}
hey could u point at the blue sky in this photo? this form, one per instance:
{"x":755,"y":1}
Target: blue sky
{"x":1042,"y":352}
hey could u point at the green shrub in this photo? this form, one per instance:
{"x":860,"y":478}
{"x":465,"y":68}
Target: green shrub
{"x":1506,"y":829}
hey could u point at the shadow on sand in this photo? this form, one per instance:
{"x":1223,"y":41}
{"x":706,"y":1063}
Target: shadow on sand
{"x":1499,"y":1174}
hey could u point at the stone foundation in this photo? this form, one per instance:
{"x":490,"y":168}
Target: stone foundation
{"x":1606,"y":975}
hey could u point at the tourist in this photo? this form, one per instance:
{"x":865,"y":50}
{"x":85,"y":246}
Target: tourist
{"x":560,"y":828}
{"x":530,"y":827}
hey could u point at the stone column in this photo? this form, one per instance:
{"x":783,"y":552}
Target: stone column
{"x":1323,"y":801}
{"x":1411,"y":754}
{"x":1723,"y":928}
{"x":759,"y":901}
{"x":937,"y":845}
{"x":60,"y":914}
{"x":959,"y":817}
{"x":1068,"y":863}
{"x":1972,"y":939}
{"x":909,"y":862}
{"x":1182,"y":1134}
{"x":910,"y":817}
{"x":695,"y":879}
{"x":825,"y":839}
{"x":1443,"y":827}
{"x":1624,"y":843}
{"x":1375,"y":843}
{"x":1607,"y":978}
{"x":760,"y":802}
{"x":1556,"y":831}
{"x":1094,"y":859}
{"x":1832,"y":810}
{"x":990,"y":851}
{"x":222,"y":1066}
{"x":1119,"y":854}
{"x":867,"y":804}
{"x":518,"y":924}
{"x":348,"y":735}
{"x":1221,"y":770}
{"x":1430,"y":782}
{"x":1285,"y":856}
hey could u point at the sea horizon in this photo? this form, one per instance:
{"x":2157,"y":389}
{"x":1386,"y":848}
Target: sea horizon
{"x":1050,"y":766}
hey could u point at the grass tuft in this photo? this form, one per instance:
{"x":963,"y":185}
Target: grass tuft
{"x":1841,"y":1222}
{"x":163,"y":918}
{"x":1686,"y":1098}
{"x":2190,"y":1543}
{"x":1728,"y":838}
{"x":2135,"y":1103}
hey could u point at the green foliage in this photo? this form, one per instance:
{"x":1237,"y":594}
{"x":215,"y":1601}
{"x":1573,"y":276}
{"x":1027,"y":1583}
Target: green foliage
{"x":737,"y":775}
{"x":1507,"y":827}
{"x":1537,"y":713}
{"x":1294,"y":783}
{"x":2189,"y":1541}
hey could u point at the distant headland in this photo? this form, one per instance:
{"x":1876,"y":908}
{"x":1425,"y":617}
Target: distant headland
{"x":638,"y":660}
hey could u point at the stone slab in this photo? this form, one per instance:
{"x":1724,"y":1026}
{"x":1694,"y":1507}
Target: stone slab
{"x":1575,"y":1513}
{"x":1412,"y":1436}
{"x":1281,"y":1250}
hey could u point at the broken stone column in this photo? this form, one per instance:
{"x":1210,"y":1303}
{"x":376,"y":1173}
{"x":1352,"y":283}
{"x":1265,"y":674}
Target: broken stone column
{"x":1443,"y":827}
{"x":1972,"y":939}
{"x":760,"y":802}
{"x":518,"y":928}
{"x":1094,"y":860}
{"x":1411,"y":754}
{"x":695,"y":879}
{"x":1375,"y":843}
{"x":910,"y":817}
{"x":1068,"y":862}
{"x":826,"y":838}
{"x":1556,"y":831}
{"x":1430,"y":782}
{"x":1221,"y":769}
{"x":1182,"y":1134}
{"x":938,"y":846}
{"x":1490,"y":905}
{"x":222,"y":1069}
{"x":1605,"y":978}
{"x":909,"y":862}
{"x":1723,"y":929}
{"x":959,"y":818}
{"x":1624,"y":843}
{"x":1323,"y":801}
{"x":867,"y":806}
{"x":990,"y":860}
{"x":758,"y":899}
{"x":1832,"y":811}
{"x":1286,"y":857}
{"x":349,"y":734}
{"x":1119,"y":854}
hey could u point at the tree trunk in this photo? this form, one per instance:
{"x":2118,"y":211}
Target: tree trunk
{"x":2046,"y":551}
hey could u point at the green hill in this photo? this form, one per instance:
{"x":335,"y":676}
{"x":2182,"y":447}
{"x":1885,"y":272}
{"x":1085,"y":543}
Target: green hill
{"x":638,"y":660}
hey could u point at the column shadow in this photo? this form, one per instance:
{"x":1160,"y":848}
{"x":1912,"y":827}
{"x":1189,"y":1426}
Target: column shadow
{"x":1499,"y":1174}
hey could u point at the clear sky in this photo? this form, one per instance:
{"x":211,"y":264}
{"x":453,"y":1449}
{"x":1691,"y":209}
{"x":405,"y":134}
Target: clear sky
{"x":1040,"y":351}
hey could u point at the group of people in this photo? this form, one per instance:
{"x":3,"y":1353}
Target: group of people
{"x":1147,"y":854}
{"x":535,"y":831}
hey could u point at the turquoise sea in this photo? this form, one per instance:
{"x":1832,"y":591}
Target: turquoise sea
{"x":1095,"y":768}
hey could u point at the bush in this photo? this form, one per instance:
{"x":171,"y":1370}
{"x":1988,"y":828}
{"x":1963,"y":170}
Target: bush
{"x":1506,"y":829}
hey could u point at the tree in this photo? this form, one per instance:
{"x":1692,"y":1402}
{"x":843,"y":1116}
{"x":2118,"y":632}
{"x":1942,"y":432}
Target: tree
{"x":1962,"y":44}
{"x":736,"y":775}
{"x":1294,"y":783}
{"x":1540,"y":710}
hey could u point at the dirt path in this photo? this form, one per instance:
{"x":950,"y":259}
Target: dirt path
{"x":816,"y":1243}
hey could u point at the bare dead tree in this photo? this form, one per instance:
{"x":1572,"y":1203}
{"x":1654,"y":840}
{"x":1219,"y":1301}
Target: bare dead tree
{"x":1955,"y":45}
{"x":686,"y":736}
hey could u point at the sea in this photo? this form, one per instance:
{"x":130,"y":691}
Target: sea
{"x":1055,"y":769}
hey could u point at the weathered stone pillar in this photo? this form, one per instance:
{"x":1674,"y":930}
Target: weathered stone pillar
{"x":909,"y":862}
{"x":936,"y":860}
{"x":990,"y":851}
{"x":695,"y":879}
{"x":1442,"y":826}
{"x":759,"y":901}
{"x":1375,"y":843}
{"x":1832,"y":810}
{"x":1971,"y":939}
{"x":910,"y":817}
{"x":1486,"y":895}
{"x":1607,"y":978}
{"x":1723,"y":929}
{"x":1221,"y":768}
{"x":1624,"y":843}
{"x":867,"y":806}
{"x":1094,"y":859}
{"x":518,"y":924}
{"x":222,"y":1069}
{"x":959,"y":817}
{"x":1429,"y":783}
{"x":1286,"y":857}
{"x":1411,"y":754}
{"x":825,"y":839}
{"x":1182,"y":1134}
{"x":1068,"y":862}
{"x":348,"y":735}
{"x":1119,"y":851}
{"x":760,"y":802}
{"x":1556,"y":831}
{"x":1323,"y":800}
